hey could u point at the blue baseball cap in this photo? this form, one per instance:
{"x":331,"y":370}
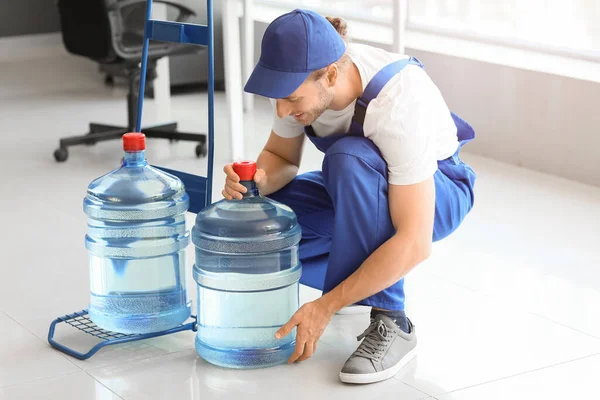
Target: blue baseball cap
{"x":294,"y":45}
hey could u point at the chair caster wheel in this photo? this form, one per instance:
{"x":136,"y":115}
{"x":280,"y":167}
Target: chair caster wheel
{"x":61,"y":154}
{"x":201,"y":150}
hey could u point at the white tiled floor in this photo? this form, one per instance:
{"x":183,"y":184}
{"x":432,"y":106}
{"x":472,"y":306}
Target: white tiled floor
{"x":507,"y":307}
{"x":77,"y":385}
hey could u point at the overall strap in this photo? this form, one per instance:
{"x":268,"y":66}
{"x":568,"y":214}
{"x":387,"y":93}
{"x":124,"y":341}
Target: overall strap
{"x":373,"y":88}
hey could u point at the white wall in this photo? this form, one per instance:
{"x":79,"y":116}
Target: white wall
{"x":544,"y":122}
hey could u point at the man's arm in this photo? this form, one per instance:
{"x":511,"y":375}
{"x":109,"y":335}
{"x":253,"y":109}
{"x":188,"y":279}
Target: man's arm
{"x":280,"y":160}
{"x":412,"y":209}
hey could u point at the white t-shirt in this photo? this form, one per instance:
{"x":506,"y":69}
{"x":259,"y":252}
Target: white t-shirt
{"x":408,"y":121}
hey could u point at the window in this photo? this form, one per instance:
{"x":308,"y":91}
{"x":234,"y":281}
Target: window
{"x":365,"y":10}
{"x":568,"y":27}
{"x":562,"y":27}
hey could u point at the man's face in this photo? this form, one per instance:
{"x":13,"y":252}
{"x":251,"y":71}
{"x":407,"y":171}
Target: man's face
{"x":308,"y":102}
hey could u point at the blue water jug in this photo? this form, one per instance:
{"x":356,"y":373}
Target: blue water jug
{"x":136,"y":240}
{"x":247,"y":272}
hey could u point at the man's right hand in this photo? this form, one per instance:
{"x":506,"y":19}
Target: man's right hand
{"x":233,"y":189}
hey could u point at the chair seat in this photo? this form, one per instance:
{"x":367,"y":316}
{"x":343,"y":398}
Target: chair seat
{"x":132,"y":39}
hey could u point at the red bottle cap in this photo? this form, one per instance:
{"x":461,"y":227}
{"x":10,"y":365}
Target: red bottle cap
{"x":245,"y":170}
{"x":134,"y":141}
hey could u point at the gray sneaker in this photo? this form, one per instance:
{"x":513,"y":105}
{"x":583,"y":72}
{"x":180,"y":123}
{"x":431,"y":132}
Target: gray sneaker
{"x":382,"y":354}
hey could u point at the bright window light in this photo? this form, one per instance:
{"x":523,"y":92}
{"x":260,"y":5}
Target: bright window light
{"x":571,"y":25}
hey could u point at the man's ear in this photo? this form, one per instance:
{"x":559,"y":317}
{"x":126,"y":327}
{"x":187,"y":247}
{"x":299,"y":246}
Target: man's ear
{"x":332,"y":74}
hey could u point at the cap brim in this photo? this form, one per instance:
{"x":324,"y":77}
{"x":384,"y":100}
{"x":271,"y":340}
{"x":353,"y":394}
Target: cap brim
{"x":274,"y":84}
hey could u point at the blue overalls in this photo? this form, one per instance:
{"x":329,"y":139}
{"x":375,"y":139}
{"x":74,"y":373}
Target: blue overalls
{"x":343,"y":210}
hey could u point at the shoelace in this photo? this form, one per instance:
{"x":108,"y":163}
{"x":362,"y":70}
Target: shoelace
{"x":376,"y":338}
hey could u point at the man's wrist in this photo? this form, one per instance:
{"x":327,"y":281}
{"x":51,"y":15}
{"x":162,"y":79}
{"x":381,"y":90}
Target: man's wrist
{"x":333,"y":301}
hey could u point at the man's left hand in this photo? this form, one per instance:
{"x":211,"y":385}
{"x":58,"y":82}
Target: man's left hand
{"x":311,"y":319}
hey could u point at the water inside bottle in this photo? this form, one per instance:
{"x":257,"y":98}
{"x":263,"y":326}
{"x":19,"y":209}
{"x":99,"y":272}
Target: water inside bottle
{"x":138,"y":295}
{"x":235,"y":321}
{"x":237,"y":328}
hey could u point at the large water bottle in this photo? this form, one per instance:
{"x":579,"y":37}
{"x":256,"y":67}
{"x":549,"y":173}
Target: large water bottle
{"x":247,"y":270}
{"x":136,"y":240}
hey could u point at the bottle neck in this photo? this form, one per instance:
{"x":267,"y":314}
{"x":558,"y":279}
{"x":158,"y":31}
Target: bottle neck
{"x":135,"y":158}
{"x":252,"y":189}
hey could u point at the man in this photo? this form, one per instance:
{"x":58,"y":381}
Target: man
{"x":391,"y":181}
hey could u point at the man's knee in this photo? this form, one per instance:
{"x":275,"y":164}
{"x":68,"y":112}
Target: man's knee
{"x":352,"y":154}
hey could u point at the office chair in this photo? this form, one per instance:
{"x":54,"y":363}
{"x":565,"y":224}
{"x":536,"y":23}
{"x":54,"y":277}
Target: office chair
{"x":111,"y":32}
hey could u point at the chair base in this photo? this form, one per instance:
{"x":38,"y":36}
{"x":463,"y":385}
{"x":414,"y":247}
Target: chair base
{"x":102,"y":132}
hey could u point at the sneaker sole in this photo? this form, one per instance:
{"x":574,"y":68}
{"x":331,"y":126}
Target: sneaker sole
{"x":378,"y":376}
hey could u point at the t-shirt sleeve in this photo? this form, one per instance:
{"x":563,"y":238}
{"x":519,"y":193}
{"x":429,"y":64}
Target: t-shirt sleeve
{"x":286,"y":127}
{"x":402,"y":122}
